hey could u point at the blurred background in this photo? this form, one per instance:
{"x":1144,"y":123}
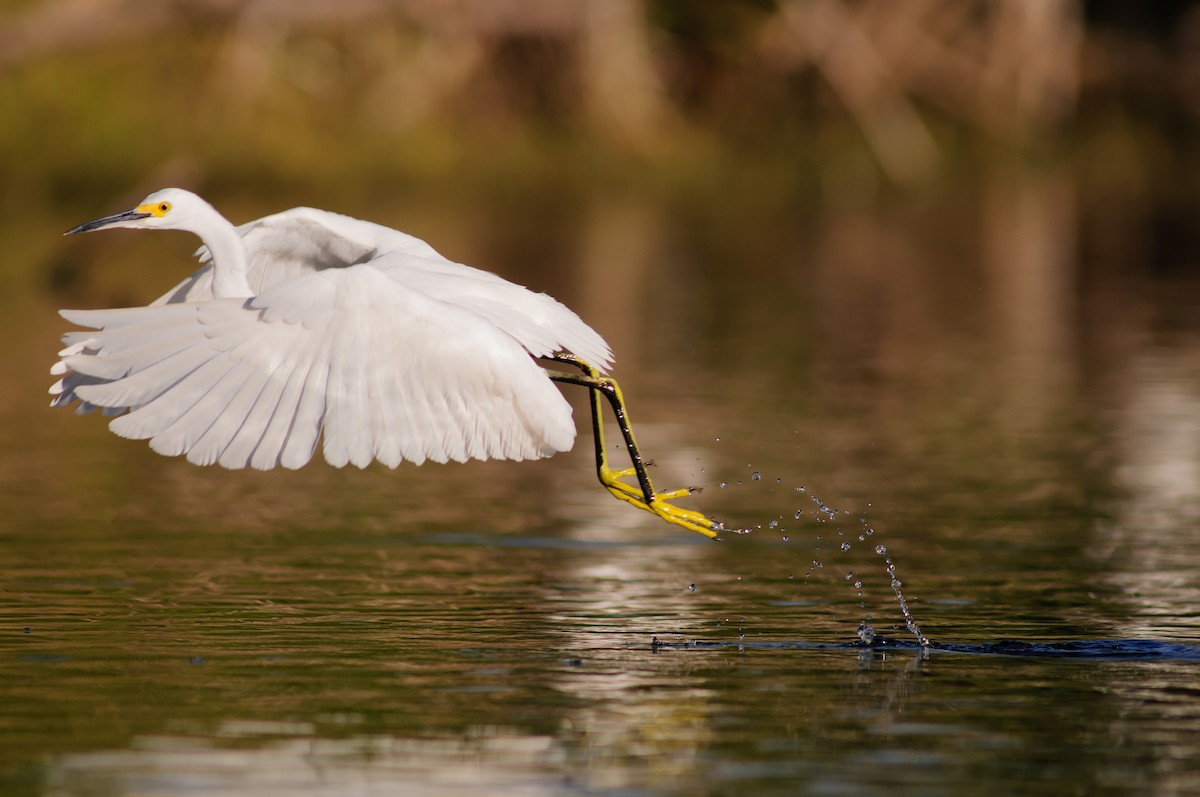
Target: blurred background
{"x":939,"y":254}
{"x":932,"y":263}
{"x":942,"y":243}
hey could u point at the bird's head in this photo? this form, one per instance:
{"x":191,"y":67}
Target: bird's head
{"x":168,"y":209}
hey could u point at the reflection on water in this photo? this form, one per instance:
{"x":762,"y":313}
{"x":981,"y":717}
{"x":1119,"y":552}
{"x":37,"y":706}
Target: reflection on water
{"x":488,"y":761}
{"x":1142,"y":551}
{"x":934,"y":375}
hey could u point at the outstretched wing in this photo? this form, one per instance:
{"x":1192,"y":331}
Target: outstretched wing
{"x":539,"y":322}
{"x":297,"y":242}
{"x":303,"y":241}
{"x":381,"y":371}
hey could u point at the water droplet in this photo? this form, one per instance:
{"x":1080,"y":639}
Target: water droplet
{"x":824,"y":508}
{"x":774,"y":524}
{"x":756,"y":476}
{"x":845,"y":546}
{"x":858,"y":585}
{"x":691,"y":587}
{"x":786,"y":538}
{"x":798,"y":489}
{"x":799,"y":512}
{"x":724,"y":484}
{"x":881,"y":550}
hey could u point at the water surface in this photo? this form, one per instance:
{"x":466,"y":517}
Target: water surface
{"x":1028,"y":451}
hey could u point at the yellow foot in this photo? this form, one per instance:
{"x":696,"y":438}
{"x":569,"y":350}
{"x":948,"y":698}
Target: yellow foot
{"x":612,"y":480}
{"x":661,"y":506}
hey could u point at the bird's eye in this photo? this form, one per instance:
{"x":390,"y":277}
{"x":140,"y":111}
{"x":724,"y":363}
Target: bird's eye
{"x":163,"y":207}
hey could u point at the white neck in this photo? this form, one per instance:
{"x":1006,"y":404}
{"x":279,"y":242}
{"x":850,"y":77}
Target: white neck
{"x":228,"y":258}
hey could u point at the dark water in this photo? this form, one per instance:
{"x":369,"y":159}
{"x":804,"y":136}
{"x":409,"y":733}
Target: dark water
{"x":1022,"y":434}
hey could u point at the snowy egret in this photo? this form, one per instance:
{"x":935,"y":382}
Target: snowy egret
{"x":309,"y":324}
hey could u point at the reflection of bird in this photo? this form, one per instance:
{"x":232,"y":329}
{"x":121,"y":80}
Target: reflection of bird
{"x":308,"y":323}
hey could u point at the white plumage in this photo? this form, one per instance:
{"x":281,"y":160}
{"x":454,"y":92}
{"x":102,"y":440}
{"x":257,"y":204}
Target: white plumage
{"x":309,"y":324}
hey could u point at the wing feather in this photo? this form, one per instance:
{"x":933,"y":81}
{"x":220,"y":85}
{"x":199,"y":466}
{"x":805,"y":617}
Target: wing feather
{"x":215,"y":399}
{"x":360,"y":336}
{"x":541,"y":323}
{"x":304,"y":241}
{"x":254,"y":442}
{"x":381,"y":372}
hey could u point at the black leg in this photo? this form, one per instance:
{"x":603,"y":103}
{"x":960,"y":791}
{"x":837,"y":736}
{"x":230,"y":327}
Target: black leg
{"x":644,"y":495}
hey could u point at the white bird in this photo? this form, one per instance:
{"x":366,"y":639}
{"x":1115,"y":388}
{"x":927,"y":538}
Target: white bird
{"x":309,"y":325}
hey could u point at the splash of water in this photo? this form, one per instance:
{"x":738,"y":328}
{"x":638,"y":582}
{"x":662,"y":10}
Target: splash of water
{"x":909,"y":621}
{"x":822,"y":514}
